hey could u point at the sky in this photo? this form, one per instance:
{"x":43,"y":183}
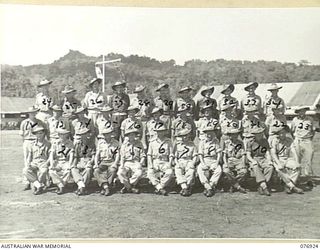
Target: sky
{"x":42,"y":34}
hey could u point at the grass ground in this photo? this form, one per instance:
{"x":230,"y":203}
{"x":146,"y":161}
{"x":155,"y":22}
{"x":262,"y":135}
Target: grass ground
{"x":225,"y":215}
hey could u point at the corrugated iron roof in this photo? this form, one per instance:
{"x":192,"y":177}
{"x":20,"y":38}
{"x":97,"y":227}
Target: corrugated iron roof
{"x":15,"y":105}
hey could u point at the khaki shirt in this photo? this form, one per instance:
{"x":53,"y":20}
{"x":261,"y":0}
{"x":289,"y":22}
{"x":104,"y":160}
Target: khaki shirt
{"x":84,"y":150}
{"x":62,"y":150}
{"x":145,"y":106}
{"x":43,"y":102}
{"x":282,"y":147}
{"x":233,"y":148}
{"x":152,"y":124}
{"x":26,"y":127}
{"x":166,"y":104}
{"x":40,"y":151}
{"x":54,"y":124}
{"x":179,"y":124}
{"x":78,"y":125}
{"x":185,"y":150}
{"x":160,"y":149}
{"x":251,"y":102}
{"x":229,"y":122}
{"x":103,"y":122}
{"x":120,"y":103}
{"x":132,"y":151}
{"x":251,"y":123}
{"x":94,"y":100}
{"x":257,"y":148}
{"x":69,"y":106}
{"x":303,"y":128}
{"x":205,"y":122}
{"x":108,"y":150}
{"x":209,"y":148}
{"x":225,"y":100}
{"x":205,"y":101}
{"x":131,"y":123}
{"x":275,"y":123}
{"x":189,"y":103}
{"x":272,"y":102}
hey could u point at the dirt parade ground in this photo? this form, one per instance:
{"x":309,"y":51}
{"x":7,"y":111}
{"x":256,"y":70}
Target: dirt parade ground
{"x":145,"y":215}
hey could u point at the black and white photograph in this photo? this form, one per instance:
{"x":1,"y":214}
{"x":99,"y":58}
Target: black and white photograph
{"x":159,"y":123}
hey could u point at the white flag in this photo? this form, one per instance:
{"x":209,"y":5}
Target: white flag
{"x":98,"y":72}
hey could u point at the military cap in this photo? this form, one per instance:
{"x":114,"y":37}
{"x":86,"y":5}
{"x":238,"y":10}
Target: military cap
{"x":44,"y":83}
{"x":62,"y":131}
{"x":156,"y":110}
{"x":107,"y":130}
{"x":117,"y":84}
{"x":56,"y":108}
{"x":130,"y":131}
{"x":32,"y":109}
{"x":207,"y":88}
{"x":82,"y":131}
{"x":183,"y":132}
{"x":274,"y":86}
{"x":99,"y":80}
{"x":139,"y":88}
{"x":106,"y":108}
{"x":37,"y":129}
{"x":68,"y":89}
{"x":225,"y":88}
{"x":185,"y":89}
{"x":251,"y":85}
{"x":162,"y":85}
{"x":79,"y":109}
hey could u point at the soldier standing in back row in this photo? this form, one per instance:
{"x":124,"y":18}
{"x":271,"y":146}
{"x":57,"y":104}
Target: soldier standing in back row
{"x":145,"y":104}
{"x":185,"y":100}
{"x":303,"y":129}
{"x":120,"y":102}
{"x":274,"y":101}
{"x":205,"y":101}
{"x":94,"y":100}
{"x":226,"y":100}
{"x":43,"y":101}
{"x":252,"y":102}
{"x":165,"y":102}
{"x":69,"y":102}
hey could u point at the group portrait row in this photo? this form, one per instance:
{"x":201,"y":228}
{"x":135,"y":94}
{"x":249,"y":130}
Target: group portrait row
{"x":114,"y":138}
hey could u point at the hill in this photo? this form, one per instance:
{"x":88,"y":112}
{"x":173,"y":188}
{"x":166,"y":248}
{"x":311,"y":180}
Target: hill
{"x":78,"y":69}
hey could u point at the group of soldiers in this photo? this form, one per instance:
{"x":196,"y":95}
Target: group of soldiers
{"x":167,"y":140}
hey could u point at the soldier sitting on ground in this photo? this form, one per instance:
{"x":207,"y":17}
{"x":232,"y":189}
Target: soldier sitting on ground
{"x":185,"y":153}
{"x":38,"y":161}
{"x":234,"y":159}
{"x":106,"y":161}
{"x":61,"y":160}
{"x":258,"y":154}
{"x":84,"y":153}
{"x":160,"y":159}
{"x":131,"y":162}
{"x":285,"y":160}
{"x":209,"y":169}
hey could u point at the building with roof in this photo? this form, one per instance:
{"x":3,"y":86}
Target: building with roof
{"x":11,"y":110}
